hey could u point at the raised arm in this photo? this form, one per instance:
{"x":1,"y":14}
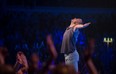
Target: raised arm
{"x":79,"y":26}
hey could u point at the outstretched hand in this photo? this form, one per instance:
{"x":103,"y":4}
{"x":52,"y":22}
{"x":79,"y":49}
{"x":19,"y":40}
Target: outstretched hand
{"x":88,"y":23}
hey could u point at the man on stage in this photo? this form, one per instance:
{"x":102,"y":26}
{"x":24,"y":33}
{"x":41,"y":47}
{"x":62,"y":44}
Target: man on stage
{"x":70,"y":38}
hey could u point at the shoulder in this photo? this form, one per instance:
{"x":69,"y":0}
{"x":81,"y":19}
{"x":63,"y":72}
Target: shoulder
{"x":75,"y":28}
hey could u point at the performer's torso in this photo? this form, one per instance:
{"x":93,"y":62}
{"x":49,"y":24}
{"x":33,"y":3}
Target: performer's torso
{"x":69,"y":40}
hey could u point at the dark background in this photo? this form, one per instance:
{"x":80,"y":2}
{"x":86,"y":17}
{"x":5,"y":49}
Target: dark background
{"x":24,"y":25}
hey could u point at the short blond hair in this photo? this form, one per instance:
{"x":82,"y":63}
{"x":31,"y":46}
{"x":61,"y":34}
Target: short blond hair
{"x":76,"y":21}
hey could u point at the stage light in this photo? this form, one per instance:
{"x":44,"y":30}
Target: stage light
{"x":108,"y":40}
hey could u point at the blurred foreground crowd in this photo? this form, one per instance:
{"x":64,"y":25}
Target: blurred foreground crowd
{"x":33,"y":64}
